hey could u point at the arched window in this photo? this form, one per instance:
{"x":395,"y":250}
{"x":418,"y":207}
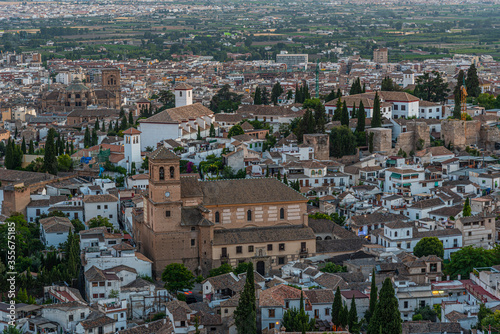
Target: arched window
{"x":162,"y":173}
{"x":320,"y":172}
{"x":217,"y":217}
{"x":77,"y":96}
{"x":282,"y":213}
{"x":249,"y":215}
{"x":180,"y":93}
{"x":312,"y":173}
{"x":172,"y":172}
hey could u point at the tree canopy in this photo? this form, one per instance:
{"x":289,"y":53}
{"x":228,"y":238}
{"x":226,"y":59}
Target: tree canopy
{"x":429,"y":246}
{"x":245,"y":315}
{"x":177,"y":277}
{"x":431,"y":87}
{"x":386,"y":319}
{"x":235,"y":130}
{"x":225,"y":100}
{"x":342,"y":142}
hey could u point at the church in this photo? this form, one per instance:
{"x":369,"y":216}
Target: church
{"x":77,"y":95}
{"x":204,"y":224}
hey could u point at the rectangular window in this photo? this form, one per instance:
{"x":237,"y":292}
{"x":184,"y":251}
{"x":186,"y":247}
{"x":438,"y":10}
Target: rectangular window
{"x":270,"y":247}
{"x":82,"y":315}
{"x":489,"y":236}
{"x":101,"y":295}
{"x":105,"y":207}
{"x":167,"y":213}
{"x":95,"y":284}
{"x":95,"y":295}
{"x":193,"y":242}
{"x":250,"y":249}
{"x":101,"y":284}
{"x":327,"y":311}
{"x":70,"y":318}
{"x":109,"y":283}
{"x":239,"y":249}
{"x":282,"y":247}
{"x":98,"y":207}
{"x":281,"y":260}
{"x":403,"y":107}
{"x":111,"y":216}
{"x":405,"y":304}
{"x":272,"y":313}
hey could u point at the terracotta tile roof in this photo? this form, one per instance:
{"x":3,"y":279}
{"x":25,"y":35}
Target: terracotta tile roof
{"x":414,"y":327}
{"x":106,"y":198}
{"x":182,"y":86}
{"x":179,"y":114}
{"x":357,"y":294}
{"x":142,"y":257}
{"x":56,"y":224}
{"x":277,"y":295}
{"x":179,"y":310}
{"x":319,"y":296}
{"x":163,"y":153}
{"x":96,"y":319}
{"x":162,"y":326}
{"x":330,"y":281}
{"x":262,"y":234}
{"x":376,"y":218}
{"x":132,"y":131}
{"x":95,"y":274}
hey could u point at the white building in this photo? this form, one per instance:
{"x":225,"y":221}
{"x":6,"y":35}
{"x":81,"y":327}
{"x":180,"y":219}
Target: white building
{"x":132,"y":148}
{"x":410,"y":181}
{"x":67,"y":315}
{"x":183,"y":95}
{"x":101,"y":284}
{"x":54,"y":231}
{"x":408,"y":78}
{"x":430,"y":110}
{"x":105,"y":206}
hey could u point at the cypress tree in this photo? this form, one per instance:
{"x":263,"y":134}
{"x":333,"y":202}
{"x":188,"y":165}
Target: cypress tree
{"x":265,"y":96}
{"x":49,"y":160}
{"x":364,"y":88}
{"x":337,"y":114}
{"x":61,"y":145}
{"x":94,"y":139}
{"x":31,"y":149}
{"x":336,"y":308}
{"x":472,"y":81}
{"x":124,"y":123}
{"x":9,"y":155}
{"x":276,"y":92}
{"x":331,"y":96}
{"x":97,"y":124}
{"x":122,"y":112}
{"x":72,"y":148}
{"x":245,"y":316}
{"x":117,"y":127}
{"x":86,"y":138}
{"x":297,"y":93}
{"x":212,"y":130}
{"x":344,"y":316}
{"x":373,"y":298}
{"x":344,"y":118}
{"x":360,"y":127}
{"x":352,"y":320}
{"x":376,"y":117}
{"x":15,"y":133}
{"x":23,"y":146}
{"x":386,"y":319}
{"x":257,"y":99}
{"x":67,"y":148}
{"x":130,"y":118}
{"x":339,"y":93}
{"x":285,"y":180}
{"x":467,"y":212}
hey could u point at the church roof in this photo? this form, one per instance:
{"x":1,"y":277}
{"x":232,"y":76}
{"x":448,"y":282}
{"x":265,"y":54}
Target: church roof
{"x":179,"y":114}
{"x":131,"y":131}
{"x":77,"y":86}
{"x":248,"y":235}
{"x":163,"y":153}
{"x":183,"y":86}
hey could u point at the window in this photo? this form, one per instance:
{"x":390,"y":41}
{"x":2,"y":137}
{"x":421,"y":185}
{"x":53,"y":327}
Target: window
{"x":101,"y":283}
{"x":281,"y":247}
{"x":95,"y":284}
{"x":217,"y":217}
{"x":407,"y":233}
{"x":396,"y":107}
{"x":422,"y":270}
{"x":489,"y":236}
{"x":109,"y":283}
{"x":167,"y":213}
{"x":408,"y":245}
{"x":316,"y":313}
{"x":82,"y":315}
{"x":183,"y":323}
{"x":111,"y":216}
{"x":250,"y":249}
{"x":327,"y":311}
{"x":434,"y":267}
{"x":172,"y":172}
{"x":239,"y":249}
{"x":405,"y":304}
{"x":226,"y":310}
{"x":98,"y":207}
{"x":403,"y":107}
{"x":396,"y":233}
{"x":417,"y":216}
{"x":180,"y":93}
{"x":162,"y":173}
{"x":105,"y":207}
{"x":94,"y":295}
{"x":249,"y":215}
{"x":282,"y":213}
{"x":422,"y":303}
{"x":193,"y":242}
{"x":70,"y":318}
{"x":270,"y":247}
{"x":272,"y":313}
{"x":281,"y":260}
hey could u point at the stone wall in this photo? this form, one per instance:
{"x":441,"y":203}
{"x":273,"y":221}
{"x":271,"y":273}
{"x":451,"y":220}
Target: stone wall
{"x":321,"y":144}
{"x":382,"y":139}
{"x":415,"y":139}
{"x":405,"y":142}
{"x":461,"y":134}
{"x":489,"y":136}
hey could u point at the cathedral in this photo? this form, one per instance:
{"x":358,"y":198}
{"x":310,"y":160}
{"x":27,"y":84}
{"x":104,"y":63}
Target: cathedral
{"x":204,"y":224}
{"x":78,"y":95}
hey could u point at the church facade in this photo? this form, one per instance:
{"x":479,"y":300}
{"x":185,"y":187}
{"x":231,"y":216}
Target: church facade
{"x":204,"y":224}
{"x":78,"y":95}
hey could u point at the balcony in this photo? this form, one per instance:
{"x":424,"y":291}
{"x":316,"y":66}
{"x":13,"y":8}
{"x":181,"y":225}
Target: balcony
{"x":304,"y":251}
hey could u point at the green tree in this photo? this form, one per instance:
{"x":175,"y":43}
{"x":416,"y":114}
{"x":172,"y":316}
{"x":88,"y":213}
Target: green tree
{"x":337,"y":308}
{"x":466,"y":259}
{"x":352,"y":319}
{"x":23,"y":146}
{"x":223,"y":269}
{"x":257,"y":98}
{"x":344,"y":316}
{"x":491,"y":321}
{"x":429,"y":246}
{"x":167,"y":98}
{"x":333,"y":268}
{"x":124,"y":123}
{"x":245,"y":315}
{"x":467,"y":211}
{"x":389,"y":85}
{"x":145,"y":163}
{"x":427,"y":313}
{"x":457,"y":95}
{"x":225,"y":100}
{"x":431,"y":87}
{"x":483,"y":313}
{"x":373,"y":298}
{"x":177,"y":277}
{"x":11,"y":330}
{"x":360,"y":127}
{"x":386,"y":319}
{"x":211,"y":132}
{"x":31,"y":149}
{"x":297,"y":320}
{"x":356,"y":87}
{"x":50,"y":160}
{"x":472,"y":82}
{"x":332,"y":96}
{"x":319,"y":114}
{"x":78,"y":225}
{"x":235,"y":130}
{"x":343,"y":142}
{"x":87,"y":139}
{"x":95,"y":139}
{"x":64,"y":163}
{"x":241,"y":268}
{"x":377,"y":116}
{"x":276,"y":92}
{"x":264,"y":96}
{"x":99,"y":221}
{"x":337,"y":113}
{"x":344,"y":117}
{"x":198,"y":134}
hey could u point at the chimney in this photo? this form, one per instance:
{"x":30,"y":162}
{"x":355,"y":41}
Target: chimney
{"x":459,"y":277}
{"x":447,"y":277}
